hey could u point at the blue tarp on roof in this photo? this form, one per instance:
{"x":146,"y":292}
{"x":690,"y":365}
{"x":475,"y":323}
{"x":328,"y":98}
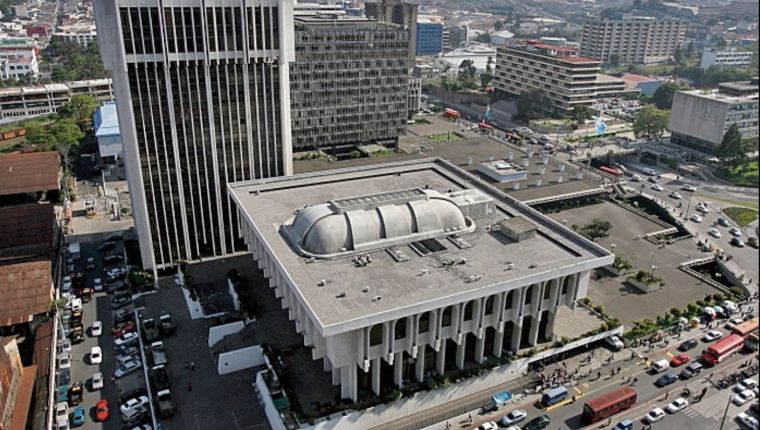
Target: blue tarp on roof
{"x":501,"y":397}
{"x":105,"y":121}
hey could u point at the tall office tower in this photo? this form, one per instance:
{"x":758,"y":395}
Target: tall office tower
{"x":349,"y":82}
{"x":633,"y":40}
{"x":397,"y":12}
{"x":202,"y":90}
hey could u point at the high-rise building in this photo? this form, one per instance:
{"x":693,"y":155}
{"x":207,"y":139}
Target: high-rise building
{"x":725,"y":57}
{"x":429,"y":35}
{"x":397,"y":12}
{"x":349,"y":82}
{"x":565,"y":78}
{"x":203,"y":97}
{"x":635,"y":40}
{"x":699,"y":118}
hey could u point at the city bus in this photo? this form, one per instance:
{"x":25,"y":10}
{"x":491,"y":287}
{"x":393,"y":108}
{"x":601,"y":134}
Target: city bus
{"x":745,"y":328}
{"x":451,"y":114}
{"x":611,"y":171}
{"x":609,"y":404}
{"x":722,"y":349}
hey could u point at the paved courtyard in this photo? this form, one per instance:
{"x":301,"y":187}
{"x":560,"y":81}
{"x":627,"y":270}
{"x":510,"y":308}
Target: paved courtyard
{"x":621,"y":300}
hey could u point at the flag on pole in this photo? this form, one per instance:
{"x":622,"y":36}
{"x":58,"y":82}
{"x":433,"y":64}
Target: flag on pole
{"x":488,"y":115}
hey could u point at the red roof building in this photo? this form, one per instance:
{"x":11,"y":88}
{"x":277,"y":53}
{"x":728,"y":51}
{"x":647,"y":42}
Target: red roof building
{"x":26,"y":288}
{"x":30,"y":172}
{"x":27,"y":230}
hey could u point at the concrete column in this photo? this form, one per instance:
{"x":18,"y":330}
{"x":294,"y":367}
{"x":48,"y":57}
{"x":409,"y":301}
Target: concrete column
{"x":348,"y":380}
{"x":580,"y":287}
{"x":498,"y":343}
{"x":375,"y":369}
{"x":480,"y":344}
{"x":550,"y":324}
{"x":440,"y":357}
{"x":460,"y":353}
{"x":336,"y":376}
{"x":398,"y":369}
{"x":516,"y":332}
{"x":533,"y":332}
{"x":419,"y":365}
{"x":326,"y":366}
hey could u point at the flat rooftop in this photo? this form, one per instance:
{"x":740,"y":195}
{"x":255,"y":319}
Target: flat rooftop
{"x":341,"y":293}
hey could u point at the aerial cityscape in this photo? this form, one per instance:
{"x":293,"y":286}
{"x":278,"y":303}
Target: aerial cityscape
{"x":379,"y":215}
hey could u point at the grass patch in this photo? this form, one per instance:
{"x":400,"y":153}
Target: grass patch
{"x":745,"y":175}
{"x":443,"y":137}
{"x":741,"y":216}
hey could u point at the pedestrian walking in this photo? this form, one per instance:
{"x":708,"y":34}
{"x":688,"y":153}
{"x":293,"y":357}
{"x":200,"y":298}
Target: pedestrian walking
{"x":192,"y":365}
{"x":469,"y":419}
{"x":189,"y":386}
{"x":186,"y":365}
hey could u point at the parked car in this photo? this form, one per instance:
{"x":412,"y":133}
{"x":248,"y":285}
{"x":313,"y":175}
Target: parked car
{"x":97,"y":284}
{"x":134,"y":403}
{"x":101,"y":410}
{"x":614,"y":342}
{"x":747,"y":421}
{"x":734,"y":231}
{"x":488,"y":425}
{"x":677,"y":405}
{"x":701,"y":207}
{"x":743,"y":397}
{"x":666,"y":380}
{"x":689,"y":188}
{"x":121,"y":329}
{"x":723,"y":222}
{"x":97,"y":328}
{"x":126,"y":339}
{"x":96,"y":355}
{"x":714,"y":232}
{"x":694,"y":368}
{"x":538,"y":423}
{"x":96,"y":382}
{"x":635,"y":178}
{"x":66,"y":285}
{"x":90,"y":264}
{"x":675,"y":195}
{"x":64,"y":362}
{"x":116,"y":273}
{"x":62,"y":410}
{"x":135,"y":392}
{"x":120,"y":301}
{"x":123,"y":315}
{"x":77,"y":417}
{"x":712,"y":335}
{"x":127,"y":368}
{"x":735,"y":241}
{"x":695,"y":218}
{"x":625,"y":424}
{"x":113,"y":259}
{"x":658,"y":187}
{"x":745,"y":384}
{"x":654,"y":415}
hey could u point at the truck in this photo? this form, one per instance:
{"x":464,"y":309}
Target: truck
{"x":158,"y":352}
{"x":150,"y":330}
{"x":166,"y":407}
{"x":159,"y":376}
{"x":166,"y":325}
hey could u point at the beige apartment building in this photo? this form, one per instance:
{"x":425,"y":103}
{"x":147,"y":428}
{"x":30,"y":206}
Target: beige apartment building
{"x":634,"y":40}
{"x":566,"y":78}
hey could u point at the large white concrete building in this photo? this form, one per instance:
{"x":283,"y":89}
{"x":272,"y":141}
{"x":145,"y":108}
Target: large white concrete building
{"x":397,"y":271}
{"x":633,"y":40}
{"x":725,"y":57}
{"x":19,"y":103}
{"x":202,"y":90}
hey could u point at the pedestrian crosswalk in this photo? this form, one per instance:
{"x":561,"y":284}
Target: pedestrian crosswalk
{"x":691,"y":413}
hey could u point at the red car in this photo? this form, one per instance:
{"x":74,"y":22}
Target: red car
{"x":679,"y":360}
{"x":121,"y":329}
{"x":101,"y":410}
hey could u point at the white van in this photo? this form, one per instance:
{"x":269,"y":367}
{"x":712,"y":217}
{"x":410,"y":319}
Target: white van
{"x":660,"y":366}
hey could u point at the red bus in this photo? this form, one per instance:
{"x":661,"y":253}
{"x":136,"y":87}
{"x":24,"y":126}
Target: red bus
{"x":451,"y":114}
{"x":609,"y":404}
{"x":745,"y":328}
{"x":722,"y":349}
{"x":611,"y":171}
{"x":485,"y":128}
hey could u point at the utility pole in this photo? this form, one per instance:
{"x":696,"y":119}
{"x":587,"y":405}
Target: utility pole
{"x":723,"y":421}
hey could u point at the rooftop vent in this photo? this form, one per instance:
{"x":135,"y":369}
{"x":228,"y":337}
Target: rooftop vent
{"x":517,"y":228}
{"x":397,"y":254}
{"x":427,"y":247}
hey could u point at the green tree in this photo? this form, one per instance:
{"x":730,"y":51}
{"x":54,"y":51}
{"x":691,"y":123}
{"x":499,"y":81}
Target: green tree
{"x":66,"y":135}
{"x":650,"y":122}
{"x":498,"y":25}
{"x":679,"y":55}
{"x":483,"y":38}
{"x":489,"y":69}
{"x":691,"y":51}
{"x":79,"y":109}
{"x":467,"y":69}
{"x":730,"y":151}
{"x":531,"y":104}
{"x":614,"y":60}
{"x":663,"y":96}
{"x":582,"y":113}
{"x":36,"y":134}
{"x":485,"y":79}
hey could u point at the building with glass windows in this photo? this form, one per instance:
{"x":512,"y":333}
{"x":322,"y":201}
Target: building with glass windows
{"x":202,"y":90}
{"x":429,"y":35}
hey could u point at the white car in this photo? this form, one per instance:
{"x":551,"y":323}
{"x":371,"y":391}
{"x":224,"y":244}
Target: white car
{"x":126,"y":339}
{"x":745,"y":384}
{"x":97,"y":284}
{"x":714,"y":232}
{"x":675,"y":195}
{"x":64,"y":362}
{"x":97,"y":381}
{"x":712,"y":335}
{"x":747,"y":421}
{"x":64,"y":347}
{"x":703,"y":208}
{"x":66,"y":286}
{"x":649,"y":172}
{"x":513,"y":417}
{"x":635,"y":178}
{"x":689,"y":188}
{"x":654,"y":415}
{"x":745,"y":396}
{"x":735,"y":232}
{"x":96,"y":355}
{"x":76,"y":305}
{"x":97,"y":328}
{"x":132,"y":404}
{"x":488,"y":425}
{"x":62,"y":411}
{"x":677,"y":405}
{"x":658,"y":187}
{"x":695,"y":218}
{"x":729,"y":306}
{"x":614,"y":342}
